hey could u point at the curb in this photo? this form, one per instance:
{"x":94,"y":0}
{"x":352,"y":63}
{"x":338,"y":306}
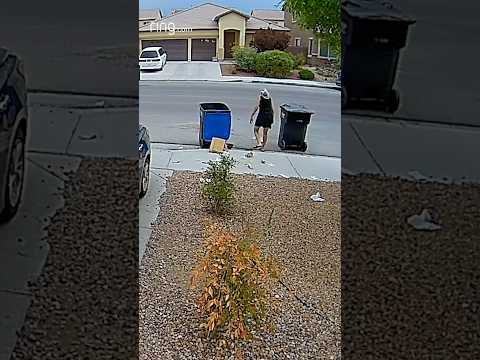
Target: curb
{"x":313,"y":85}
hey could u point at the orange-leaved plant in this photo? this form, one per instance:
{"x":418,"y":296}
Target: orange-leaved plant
{"x":235,"y":281}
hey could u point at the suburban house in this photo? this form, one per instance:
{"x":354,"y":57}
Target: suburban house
{"x":273,"y":16}
{"x":147,"y":16}
{"x":203,"y":33}
{"x":307,"y":42}
{"x":302,"y":41}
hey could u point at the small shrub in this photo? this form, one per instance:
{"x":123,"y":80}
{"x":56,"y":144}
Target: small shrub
{"x":267,"y":39}
{"x":235,"y":281}
{"x":245,"y":58}
{"x":275,"y":64}
{"x":218,"y":189}
{"x":306,"y":74}
{"x":299,"y":60}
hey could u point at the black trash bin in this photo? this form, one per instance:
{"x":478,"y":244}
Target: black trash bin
{"x":294,"y":120}
{"x":373,"y":34}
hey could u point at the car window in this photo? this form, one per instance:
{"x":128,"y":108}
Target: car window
{"x":149,"y":54}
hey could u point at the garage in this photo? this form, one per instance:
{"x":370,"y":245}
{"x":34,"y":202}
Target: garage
{"x":203,"y":49}
{"x":177,"y":50}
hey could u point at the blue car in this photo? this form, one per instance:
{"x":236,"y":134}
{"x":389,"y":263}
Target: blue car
{"x":144,"y":151}
{"x":13,"y":133}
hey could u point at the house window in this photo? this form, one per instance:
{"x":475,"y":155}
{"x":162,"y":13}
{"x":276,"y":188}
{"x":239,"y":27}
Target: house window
{"x":325,"y":51}
{"x":310,"y":47}
{"x":298,"y":42}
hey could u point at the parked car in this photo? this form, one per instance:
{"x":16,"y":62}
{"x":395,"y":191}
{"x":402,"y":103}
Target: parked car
{"x":144,"y":159}
{"x":152,"y":58}
{"x":13,"y":133}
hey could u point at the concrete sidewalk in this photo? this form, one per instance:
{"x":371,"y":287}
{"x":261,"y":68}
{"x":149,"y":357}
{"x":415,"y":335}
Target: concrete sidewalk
{"x":416,"y":151}
{"x":283,"y":164}
{"x":211,"y":72}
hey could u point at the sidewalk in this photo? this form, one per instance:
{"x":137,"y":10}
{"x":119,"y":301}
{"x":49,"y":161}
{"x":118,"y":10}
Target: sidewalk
{"x":283,"y":164}
{"x":210,"y":71}
{"x":252,"y":80}
{"x":416,"y":151}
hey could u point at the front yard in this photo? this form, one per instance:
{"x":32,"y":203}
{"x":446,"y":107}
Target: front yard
{"x":304,"y":240}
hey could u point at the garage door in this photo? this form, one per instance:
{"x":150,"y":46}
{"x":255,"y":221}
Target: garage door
{"x":204,"y":49}
{"x":177,"y":50}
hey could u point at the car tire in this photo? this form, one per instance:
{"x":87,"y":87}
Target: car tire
{"x":145,"y":181}
{"x":16,"y":168}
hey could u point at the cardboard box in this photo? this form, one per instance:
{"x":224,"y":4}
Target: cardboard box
{"x":217,"y":145}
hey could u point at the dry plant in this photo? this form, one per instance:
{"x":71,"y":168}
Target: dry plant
{"x":235,"y":280}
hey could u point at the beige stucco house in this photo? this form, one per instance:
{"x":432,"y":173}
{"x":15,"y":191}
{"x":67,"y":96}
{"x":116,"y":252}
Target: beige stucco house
{"x":203,"y":33}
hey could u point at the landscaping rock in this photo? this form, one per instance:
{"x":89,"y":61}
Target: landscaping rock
{"x":305,"y":240}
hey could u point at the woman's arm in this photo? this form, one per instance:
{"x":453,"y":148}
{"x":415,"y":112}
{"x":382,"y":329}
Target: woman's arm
{"x":254,"y":111}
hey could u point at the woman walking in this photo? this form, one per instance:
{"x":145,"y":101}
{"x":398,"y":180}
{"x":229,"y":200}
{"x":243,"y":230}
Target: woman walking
{"x":264,"y":119}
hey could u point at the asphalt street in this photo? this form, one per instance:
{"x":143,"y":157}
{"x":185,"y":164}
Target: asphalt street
{"x":171,"y":112}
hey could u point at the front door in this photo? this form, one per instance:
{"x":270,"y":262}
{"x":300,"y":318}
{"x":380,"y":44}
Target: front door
{"x":229,"y":39}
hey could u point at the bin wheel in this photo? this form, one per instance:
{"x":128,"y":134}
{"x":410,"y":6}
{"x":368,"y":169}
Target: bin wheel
{"x":282,"y":144}
{"x":344,"y":97}
{"x":303,"y":148}
{"x":392,"y":101}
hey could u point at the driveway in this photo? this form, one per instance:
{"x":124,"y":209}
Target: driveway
{"x":183,"y":70}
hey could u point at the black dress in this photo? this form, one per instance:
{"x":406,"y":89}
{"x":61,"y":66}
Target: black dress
{"x":265,"y":113}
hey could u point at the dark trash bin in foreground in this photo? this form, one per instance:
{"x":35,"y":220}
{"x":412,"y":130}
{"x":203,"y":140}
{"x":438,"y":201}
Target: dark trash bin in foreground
{"x":294,"y":120}
{"x":373,"y":34}
{"x":215,"y":121}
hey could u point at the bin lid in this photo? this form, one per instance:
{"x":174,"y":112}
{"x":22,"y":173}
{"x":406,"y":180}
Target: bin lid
{"x":374,"y":10}
{"x":214,"y":106}
{"x":296,"y":108}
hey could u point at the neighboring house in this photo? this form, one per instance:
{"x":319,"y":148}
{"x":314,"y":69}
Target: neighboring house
{"x":146,"y":16}
{"x":203,"y":33}
{"x":273,"y":16}
{"x":307,"y":42}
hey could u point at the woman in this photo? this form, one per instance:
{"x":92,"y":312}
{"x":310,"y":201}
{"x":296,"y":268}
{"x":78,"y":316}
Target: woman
{"x":264,"y":119}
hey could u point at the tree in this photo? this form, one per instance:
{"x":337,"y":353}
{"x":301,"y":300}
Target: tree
{"x":271,"y":40}
{"x":319,"y":15}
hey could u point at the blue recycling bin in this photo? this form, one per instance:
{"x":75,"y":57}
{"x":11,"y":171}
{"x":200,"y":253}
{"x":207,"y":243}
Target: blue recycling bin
{"x":215,"y":121}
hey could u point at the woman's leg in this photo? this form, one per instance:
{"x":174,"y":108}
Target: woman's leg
{"x":265,"y":136}
{"x":256,"y":131}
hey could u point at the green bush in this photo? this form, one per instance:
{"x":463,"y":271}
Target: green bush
{"x":245,"y":58}
{"x":274,"y":64}
{"x":299,"y":60}
{"x":306,"y":74}
{"x":218,"y":188}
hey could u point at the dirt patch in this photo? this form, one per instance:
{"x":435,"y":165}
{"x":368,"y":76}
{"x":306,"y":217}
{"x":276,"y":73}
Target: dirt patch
{"x":305,"y":240}
{"x":232,"y":70}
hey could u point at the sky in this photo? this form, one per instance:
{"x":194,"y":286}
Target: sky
{"x":244,"y":5}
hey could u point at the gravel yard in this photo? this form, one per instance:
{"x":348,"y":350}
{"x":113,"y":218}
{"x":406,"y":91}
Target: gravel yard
{"x":85,"y":303}
{"x":409,"y":294}
{"x":305,"y":240}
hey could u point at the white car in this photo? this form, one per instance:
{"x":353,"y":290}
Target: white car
{"x":152,"y":58}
